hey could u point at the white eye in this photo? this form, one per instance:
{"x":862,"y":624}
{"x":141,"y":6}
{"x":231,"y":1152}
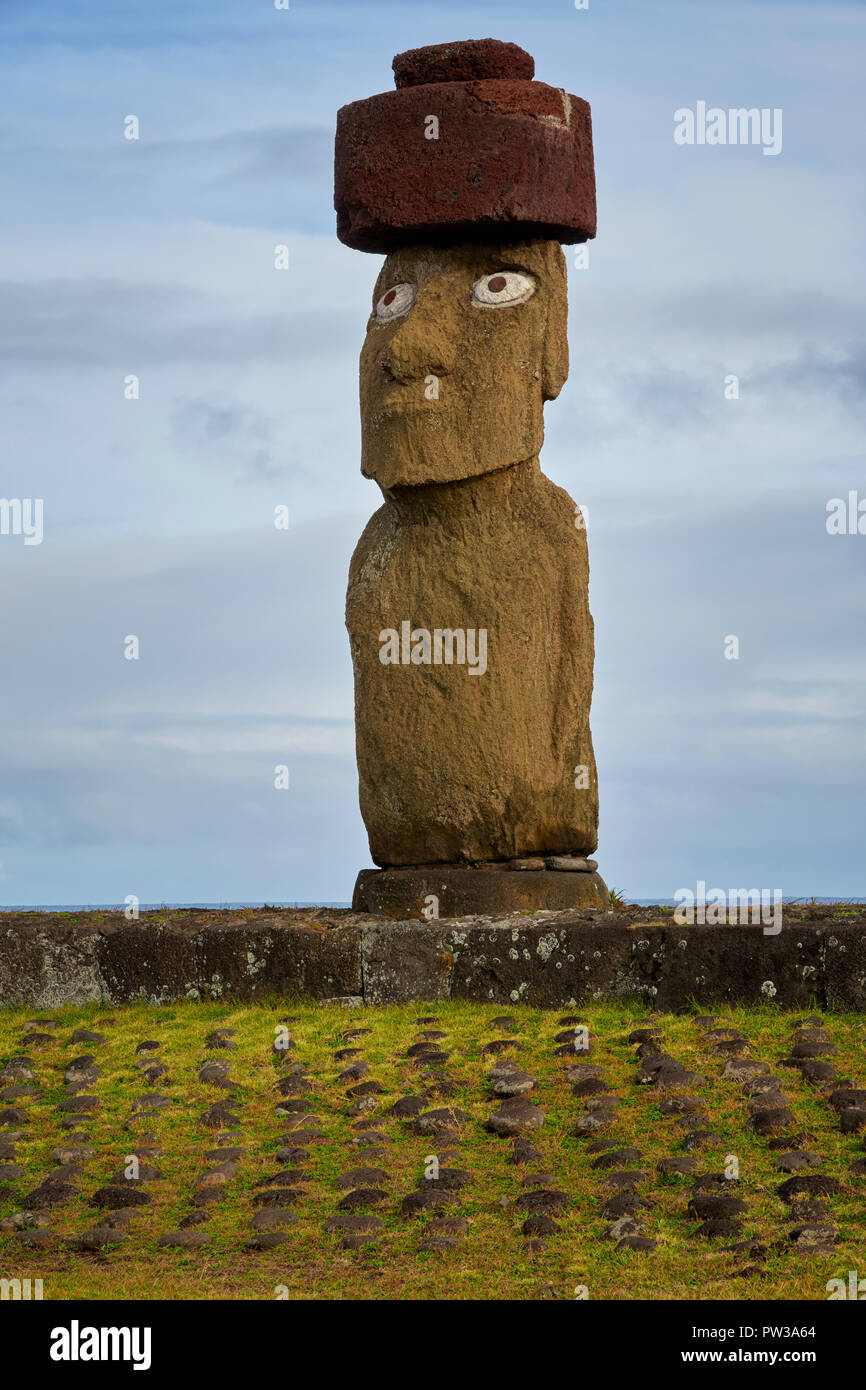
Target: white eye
{"x":504,"y":287}
{"x":395,"y":302}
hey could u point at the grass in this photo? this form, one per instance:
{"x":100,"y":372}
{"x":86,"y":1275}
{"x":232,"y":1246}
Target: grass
{"x":492,"y":1261}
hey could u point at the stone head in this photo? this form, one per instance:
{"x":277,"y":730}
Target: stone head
{"x":463,"y":347}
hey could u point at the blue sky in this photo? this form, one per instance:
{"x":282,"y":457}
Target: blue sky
{"x":707,"y":516}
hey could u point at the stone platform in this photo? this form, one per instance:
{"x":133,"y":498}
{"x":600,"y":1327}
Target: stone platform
{"x":446,"y":890}
{"x":544,"y":959}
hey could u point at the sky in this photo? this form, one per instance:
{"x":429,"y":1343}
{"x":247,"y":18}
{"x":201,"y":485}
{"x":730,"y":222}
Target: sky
{"x":154,"y":258}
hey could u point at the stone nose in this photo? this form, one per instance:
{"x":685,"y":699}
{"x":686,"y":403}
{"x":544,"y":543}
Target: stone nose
{"x":420,"y":346}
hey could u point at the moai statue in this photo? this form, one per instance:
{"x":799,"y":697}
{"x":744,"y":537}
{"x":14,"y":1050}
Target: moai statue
{"x":467,"y":606}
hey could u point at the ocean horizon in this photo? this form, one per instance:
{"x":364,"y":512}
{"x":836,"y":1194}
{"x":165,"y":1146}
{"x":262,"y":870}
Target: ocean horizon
{"x":236,"y":906}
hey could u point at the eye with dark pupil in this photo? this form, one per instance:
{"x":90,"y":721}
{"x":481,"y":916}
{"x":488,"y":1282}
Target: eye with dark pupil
{"x":496,"y":284}
{"x":390,"y":297}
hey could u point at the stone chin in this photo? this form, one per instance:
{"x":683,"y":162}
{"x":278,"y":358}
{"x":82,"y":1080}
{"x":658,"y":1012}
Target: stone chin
{"x":417,"y":452}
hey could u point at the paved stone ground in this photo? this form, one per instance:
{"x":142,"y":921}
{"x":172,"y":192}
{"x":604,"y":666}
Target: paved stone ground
{"x":456,"y":1130}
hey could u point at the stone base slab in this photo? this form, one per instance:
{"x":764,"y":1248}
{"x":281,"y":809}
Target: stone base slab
{"x":446,"y":890}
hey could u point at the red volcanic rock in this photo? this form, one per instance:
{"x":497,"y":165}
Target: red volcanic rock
{"x":462,"y":62}
{"x":467,"y":148}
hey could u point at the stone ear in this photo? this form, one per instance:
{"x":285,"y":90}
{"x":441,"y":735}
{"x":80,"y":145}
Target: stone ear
{"x":554,"y":364}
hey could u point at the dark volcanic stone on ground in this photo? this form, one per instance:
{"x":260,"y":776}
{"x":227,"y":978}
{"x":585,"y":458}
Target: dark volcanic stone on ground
{"x":711,"y":1207}
{"x":803,"y":1211}
{"x":277,"y":1197}
{"x":219,"y":1117}
{"x":717,"y":1227}
{"x":680,"y":1105}
{"x":226,"y":1155}
{"x":43,"y":1239}
{"x":523,"y":1152}
{"x":809,"y":1185}
{"x":96,"y":1238}
{"x":590,"y":1086}
{"x":362,"y":1199}
{"x":798,"y":1159}
{"x":354,"y":1072}
{"x":700,"y":1139}
{"x":273,"y":1219}
{"x":407,"y":1107}
{"x":449,"y":1179}
{"x":844,"y":1097}
{"x":623,"y":1226}
{"x":584,"y":1071}
{"x":543,"y":1202}
{"x":617,"y":1157}
{"x":184,"y":1240}
{"x":516,"y":1083}
{"x":435,"y":1120}
{"x":287,"y":1177}
{"x":449,"y":1226}
{"x":540,"y":1225}
{"x":365,"y":1088}
{"x":115,"y":1195}
{"x":79,"y":1105}
{"x":782,"y":1143}
{"x":426,"y":1199}
{"x":624,"y":1179}
{"x":714,"y":1182}
{"x":817,"y":1072}
{"x":514,"y":1116}
{"x":770,"y":1121}
{"x":624,"y":1204}
{"x":266,"y":1240}
{"x":362,"y":1177}
{"x":595,"y":1123}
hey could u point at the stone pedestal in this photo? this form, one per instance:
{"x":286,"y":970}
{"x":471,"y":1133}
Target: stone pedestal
{"x":449,"y":890}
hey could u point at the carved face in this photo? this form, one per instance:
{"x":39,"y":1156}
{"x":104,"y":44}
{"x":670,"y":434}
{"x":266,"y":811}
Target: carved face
{"x":463,"y":347}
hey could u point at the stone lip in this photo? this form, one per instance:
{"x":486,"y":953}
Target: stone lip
{"x":543,"y":959}
{"x":450,"y":156}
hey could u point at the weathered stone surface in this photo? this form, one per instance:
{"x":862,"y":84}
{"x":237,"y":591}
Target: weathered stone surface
{"x":403,"y":894}
{"x":519,"y":153}
{"x":559,"y":958}
{"x":740,"y":963}
{"x":462,"y":487}
{"x":468,"y":61}
{"x":515,"y":1116}
{"x":546,"y":963}
{"x":184,"y":1240}
{"x":217,"y":955}
{"x":403,"y":961}
{"x":96,"y":1238}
